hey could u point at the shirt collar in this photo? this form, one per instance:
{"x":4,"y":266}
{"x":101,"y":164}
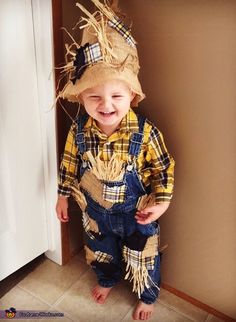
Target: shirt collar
{"x":129,"y":124}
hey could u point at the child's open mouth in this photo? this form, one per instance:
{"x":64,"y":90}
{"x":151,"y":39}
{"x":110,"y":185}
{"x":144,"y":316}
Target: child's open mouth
{"x":107,"y":114}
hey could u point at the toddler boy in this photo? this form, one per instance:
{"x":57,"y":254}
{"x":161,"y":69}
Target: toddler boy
{"x":115,"y":162}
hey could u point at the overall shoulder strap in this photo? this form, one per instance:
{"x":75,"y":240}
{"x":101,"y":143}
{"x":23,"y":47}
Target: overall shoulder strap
{"x":80,"y":139}
{"x":137,"y":138}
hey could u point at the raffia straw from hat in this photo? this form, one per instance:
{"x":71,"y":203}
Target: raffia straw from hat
{"x":112,"y":170}
{"x":146,"y":201}
{"x":100,"y":28}
{"x":120,"y":60}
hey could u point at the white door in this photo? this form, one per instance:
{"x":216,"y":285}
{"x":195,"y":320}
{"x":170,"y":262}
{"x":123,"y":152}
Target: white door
{"x":25,"y":206}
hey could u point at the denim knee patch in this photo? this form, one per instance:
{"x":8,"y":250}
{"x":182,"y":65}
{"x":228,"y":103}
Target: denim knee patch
{"x":139,"y":262}
{"x":101,"y":261}
{"x":108,"y":269}
{"x":136,"y":241}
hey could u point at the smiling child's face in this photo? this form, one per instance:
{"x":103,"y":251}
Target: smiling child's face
{"x":108,"y":104}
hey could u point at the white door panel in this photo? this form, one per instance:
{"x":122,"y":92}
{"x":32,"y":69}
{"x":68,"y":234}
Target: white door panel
{"x":23,"y":189}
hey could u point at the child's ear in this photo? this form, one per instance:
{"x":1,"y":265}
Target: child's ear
{"x":81,"y":99}
{"x":132,"y":95}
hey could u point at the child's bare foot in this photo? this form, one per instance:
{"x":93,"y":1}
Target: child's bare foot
{"x":143,"y":311}
{"x":100,"y":293}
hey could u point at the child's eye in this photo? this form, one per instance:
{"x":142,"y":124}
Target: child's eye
{"x":117,"y":96}
{"x":94,"y":97}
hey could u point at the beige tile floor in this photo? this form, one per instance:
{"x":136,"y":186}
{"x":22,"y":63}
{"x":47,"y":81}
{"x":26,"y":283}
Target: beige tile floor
{"x":66,"y":289}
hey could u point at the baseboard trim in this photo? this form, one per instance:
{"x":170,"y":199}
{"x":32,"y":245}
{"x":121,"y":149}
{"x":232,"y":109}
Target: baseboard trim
{"x":197,"y":303}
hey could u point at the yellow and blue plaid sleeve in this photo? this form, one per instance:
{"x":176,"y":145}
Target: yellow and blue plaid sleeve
{"x":69,"y":164}
{"x":161,"y":166}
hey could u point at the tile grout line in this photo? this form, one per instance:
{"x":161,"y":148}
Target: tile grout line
{"x":51,"y":306}
{"x":34,"y":295}
{"x":177,"y":311}
{"x":67,"y":314}
{"x":168,"y":307}
{"x":131,"y":309}
{"x":208,"y":318}
{"x":60,"y":297}
{"x":127,"y":314}
{"x":70,"y":317}
{"x":68,"y":289}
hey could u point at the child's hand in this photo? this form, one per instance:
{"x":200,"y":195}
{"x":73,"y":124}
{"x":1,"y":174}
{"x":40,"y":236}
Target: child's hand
{"x":61,"y":209}
{"x":150,"y":214}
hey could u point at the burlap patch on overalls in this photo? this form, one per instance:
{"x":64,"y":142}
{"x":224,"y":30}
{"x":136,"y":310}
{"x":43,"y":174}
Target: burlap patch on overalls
{"x":94,"y":188}
{"x":139,"y":262}
{"x":78,"y":195}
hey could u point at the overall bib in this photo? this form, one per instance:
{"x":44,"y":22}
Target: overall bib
{"x":112,"y":233}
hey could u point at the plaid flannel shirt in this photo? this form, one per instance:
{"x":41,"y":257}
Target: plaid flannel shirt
{"x":154,"y":164}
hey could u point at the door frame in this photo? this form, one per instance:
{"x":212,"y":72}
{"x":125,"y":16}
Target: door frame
{"x":59,"y":58}
{"x":43,"y":35}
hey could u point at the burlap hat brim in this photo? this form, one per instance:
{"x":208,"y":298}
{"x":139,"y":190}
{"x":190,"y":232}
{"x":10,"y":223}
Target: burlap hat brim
{"x":101,"y":73}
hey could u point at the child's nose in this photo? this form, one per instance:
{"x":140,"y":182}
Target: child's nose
{"x":106,"y":102}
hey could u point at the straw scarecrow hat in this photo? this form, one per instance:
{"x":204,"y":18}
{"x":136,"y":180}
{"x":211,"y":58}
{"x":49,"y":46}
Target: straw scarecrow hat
{"x":107,"y":52}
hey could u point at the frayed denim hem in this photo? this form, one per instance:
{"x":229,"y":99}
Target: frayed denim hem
{"x":107,"y":284}
{"x":148,"y":301}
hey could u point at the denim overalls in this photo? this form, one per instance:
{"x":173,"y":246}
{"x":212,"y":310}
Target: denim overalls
{"x":117,"y":231}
